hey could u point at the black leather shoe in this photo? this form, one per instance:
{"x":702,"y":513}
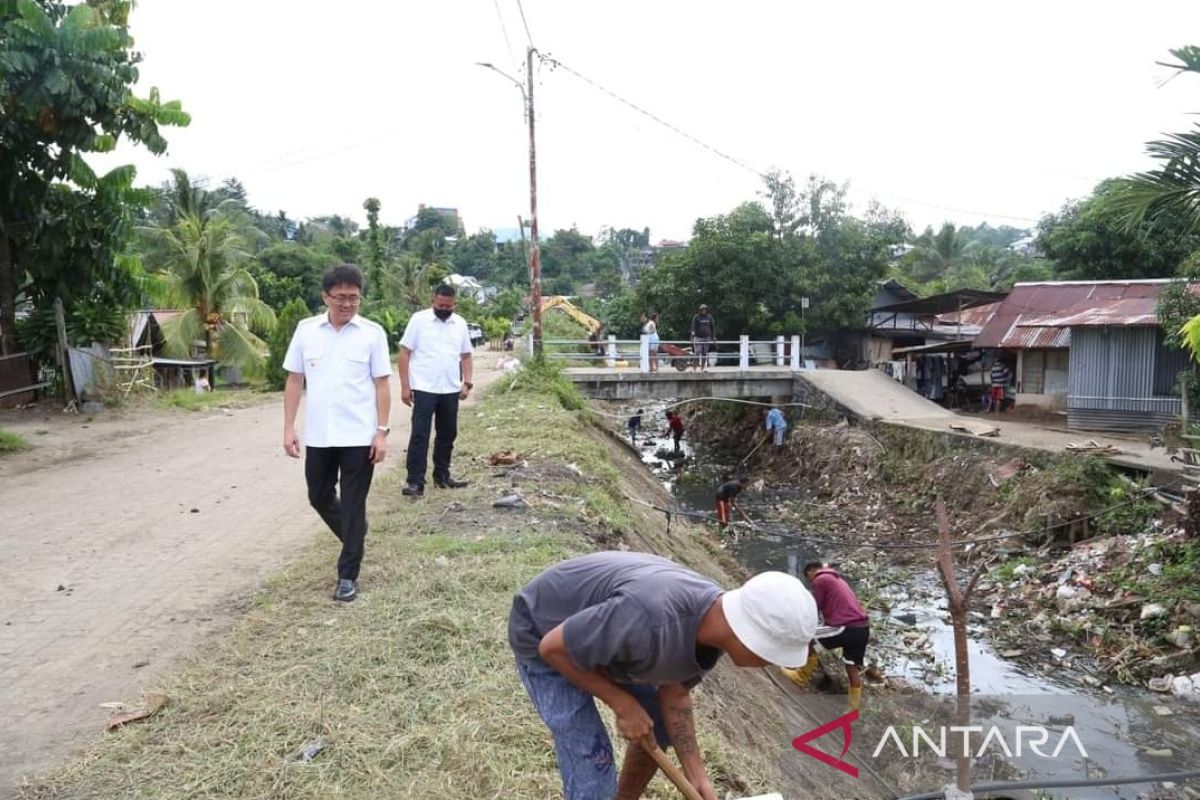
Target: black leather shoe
{"x":412,"y":490}
{"x":347,"y":590}
{"x":450,"y":483}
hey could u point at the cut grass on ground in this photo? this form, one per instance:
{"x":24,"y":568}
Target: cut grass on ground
{"x":412,"y":686}
{"x":11,"y":442}
{"x":189,"y":400}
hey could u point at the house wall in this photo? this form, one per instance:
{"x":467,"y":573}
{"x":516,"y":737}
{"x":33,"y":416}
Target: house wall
{"x":1112,"y":382}
{"x":1042,"y":377}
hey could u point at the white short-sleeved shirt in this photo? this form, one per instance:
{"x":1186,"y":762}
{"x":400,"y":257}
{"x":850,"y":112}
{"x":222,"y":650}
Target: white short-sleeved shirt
{"x":339,"y":368}
{"x":437,"y":349}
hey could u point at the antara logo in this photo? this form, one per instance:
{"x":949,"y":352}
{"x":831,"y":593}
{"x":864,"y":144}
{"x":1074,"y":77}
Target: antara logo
{"x":842,"y":722}
{"x":1029,"y":738}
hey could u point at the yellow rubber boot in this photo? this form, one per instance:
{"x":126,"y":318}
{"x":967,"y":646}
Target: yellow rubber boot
{"x":855,"y":696}
{"x":802,"y":675}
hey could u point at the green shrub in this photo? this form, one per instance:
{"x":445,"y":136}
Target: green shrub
{"x":10,"y":442}
{"x":540,"y":376}
{"x":281,"y":337}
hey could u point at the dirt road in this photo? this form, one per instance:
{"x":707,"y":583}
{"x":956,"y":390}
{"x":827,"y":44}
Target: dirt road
{"x":127,"y":539}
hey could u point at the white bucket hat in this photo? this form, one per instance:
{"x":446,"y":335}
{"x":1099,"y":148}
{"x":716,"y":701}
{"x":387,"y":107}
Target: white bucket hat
{"x":774,"y":616}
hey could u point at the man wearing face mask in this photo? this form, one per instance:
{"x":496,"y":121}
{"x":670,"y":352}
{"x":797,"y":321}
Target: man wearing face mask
{"x":435,"y":369}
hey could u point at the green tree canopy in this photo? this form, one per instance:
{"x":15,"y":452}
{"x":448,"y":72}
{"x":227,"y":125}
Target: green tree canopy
{"x":66,"y":78}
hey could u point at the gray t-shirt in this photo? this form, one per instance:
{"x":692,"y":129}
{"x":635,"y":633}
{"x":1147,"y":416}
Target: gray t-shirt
{"x":633,"y":615}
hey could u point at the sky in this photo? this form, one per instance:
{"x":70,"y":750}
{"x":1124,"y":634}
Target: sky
{"x":967,"y":112}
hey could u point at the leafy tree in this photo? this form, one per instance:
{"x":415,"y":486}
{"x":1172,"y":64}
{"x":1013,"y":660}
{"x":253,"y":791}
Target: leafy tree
{"x":202,"y":262}
{"x":1092,"y":239}
{"x":66,"y":77}
{"x":287,"y":270}
{"x":375,"y":256}
{"x":937,"y":254}
{"x":281,"y":337}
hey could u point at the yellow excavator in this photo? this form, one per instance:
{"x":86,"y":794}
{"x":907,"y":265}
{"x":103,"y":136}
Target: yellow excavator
{"x":573,"y":311}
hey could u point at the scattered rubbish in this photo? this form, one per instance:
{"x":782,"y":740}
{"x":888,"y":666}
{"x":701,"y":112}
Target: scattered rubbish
{"x":1092,"y":448}
{"x":113,"y":706}
{"x":455,"y":507}
{"x":195,"y":511}
{"x":1065,"y":719}
{"x":505,"y":458}
{"x":1153,"y":610}
{"x":1012,"y":653}
{"x":152,"y":704}
{"x":442,"y":561}
{"x":575,"y":470}
{"x":1160,"y":684}
{"x":308,"y":752}
{"x":61,"y":588}
{"x":1154,"y":569}
{"x":1058,"y":653}
{"x":975,"y":428}
{"x":1183,"y":685}
{"x":511,"y":501}
{"x":1182,"y":637}
{"x":1159,"y":753}
{"x":1163,"y":711}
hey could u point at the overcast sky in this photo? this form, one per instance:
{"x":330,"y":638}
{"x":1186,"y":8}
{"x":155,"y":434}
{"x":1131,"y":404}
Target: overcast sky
{"x":943,"y":110}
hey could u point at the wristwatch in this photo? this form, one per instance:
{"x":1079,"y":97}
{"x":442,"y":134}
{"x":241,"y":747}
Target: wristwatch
{"x":468,"y":384}
{"x":384,"y":429}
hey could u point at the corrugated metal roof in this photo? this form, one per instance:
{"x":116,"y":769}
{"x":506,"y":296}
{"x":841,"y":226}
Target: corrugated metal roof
{"x":1036,"y":302}
{"x":1022,"y":336}
{"x":978,"y":316}
{"x":1130,"y":311}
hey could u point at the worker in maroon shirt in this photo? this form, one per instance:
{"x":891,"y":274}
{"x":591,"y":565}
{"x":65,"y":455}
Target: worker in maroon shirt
{"x":840,"y":608}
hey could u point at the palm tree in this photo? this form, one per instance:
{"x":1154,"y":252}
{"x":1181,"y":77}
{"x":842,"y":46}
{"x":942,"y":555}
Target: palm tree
{"x":937,"y":254}
{"x":1174,"y":186}
{"x":201,"y":262}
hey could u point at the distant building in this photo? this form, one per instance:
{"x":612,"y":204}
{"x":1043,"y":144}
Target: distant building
{"x":467,"y":286}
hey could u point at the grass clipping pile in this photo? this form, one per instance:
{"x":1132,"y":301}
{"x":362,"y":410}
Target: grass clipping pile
{"x":410,"y":691}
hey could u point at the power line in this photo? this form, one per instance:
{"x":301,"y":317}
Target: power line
{"x":528,"y":37}
{"x":512,"y":54}
{"x":736,"y":161}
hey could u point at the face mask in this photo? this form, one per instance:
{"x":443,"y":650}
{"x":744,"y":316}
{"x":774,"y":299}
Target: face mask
{"x":443,"y":313}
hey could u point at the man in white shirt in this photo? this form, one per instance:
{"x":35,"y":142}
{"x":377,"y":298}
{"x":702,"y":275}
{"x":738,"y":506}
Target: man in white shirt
{"x":343,"y":360}
{"x":435,"y":369}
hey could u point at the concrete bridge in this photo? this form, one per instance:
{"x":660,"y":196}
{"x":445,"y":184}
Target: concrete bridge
{"x":727,"y":383}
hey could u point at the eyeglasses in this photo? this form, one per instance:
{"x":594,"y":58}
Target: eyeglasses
{"x":345,"y":299}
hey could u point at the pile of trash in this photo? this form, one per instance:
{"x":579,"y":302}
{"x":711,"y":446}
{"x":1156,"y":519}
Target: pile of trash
{"x":1117,"y":609}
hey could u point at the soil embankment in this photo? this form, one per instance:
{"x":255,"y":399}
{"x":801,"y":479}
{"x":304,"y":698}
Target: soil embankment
{"x":410,"y":690}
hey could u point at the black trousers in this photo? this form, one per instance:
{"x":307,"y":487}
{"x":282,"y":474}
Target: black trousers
{"x":344,"y":471}
{"x":442,"y":411}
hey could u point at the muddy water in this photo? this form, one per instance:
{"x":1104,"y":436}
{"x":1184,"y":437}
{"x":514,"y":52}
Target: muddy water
{"x":1118,"y":728}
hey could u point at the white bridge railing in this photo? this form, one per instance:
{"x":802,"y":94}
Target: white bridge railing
{"x":612,"y":352}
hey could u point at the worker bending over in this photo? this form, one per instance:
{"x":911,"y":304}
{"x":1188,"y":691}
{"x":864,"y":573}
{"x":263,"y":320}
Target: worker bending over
{"x":638,"y":632}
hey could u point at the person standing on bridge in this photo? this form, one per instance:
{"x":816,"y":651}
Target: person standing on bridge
{"x":638,"y":632}
{"x":704,"y":331}
{"x":776,"y":425}
{"x":650,"y":329}
{"x":343,"y":360}
{"x":435,"y":368}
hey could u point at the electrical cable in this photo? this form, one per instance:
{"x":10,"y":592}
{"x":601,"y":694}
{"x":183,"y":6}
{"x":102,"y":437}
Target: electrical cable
{"x":1068,"y":783}
{"x":512,"y":54}
{"x":554,"y":62}
{"x":528,"y":36}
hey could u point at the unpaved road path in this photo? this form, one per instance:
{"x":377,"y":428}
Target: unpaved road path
{"x":126,"y":539}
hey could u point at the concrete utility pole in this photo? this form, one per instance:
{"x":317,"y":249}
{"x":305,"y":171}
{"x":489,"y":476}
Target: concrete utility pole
{"x":535,"y":254}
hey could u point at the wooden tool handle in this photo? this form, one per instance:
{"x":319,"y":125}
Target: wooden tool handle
{"x":673,"y":772}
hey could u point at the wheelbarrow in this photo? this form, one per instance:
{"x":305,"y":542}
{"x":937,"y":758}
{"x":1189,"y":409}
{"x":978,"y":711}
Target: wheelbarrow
{"x":680,"y":358}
